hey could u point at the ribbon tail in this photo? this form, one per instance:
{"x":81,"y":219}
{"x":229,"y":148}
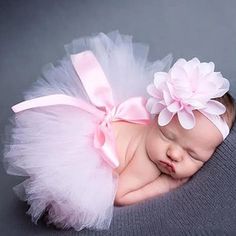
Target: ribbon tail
{"x":93,"y":79}
{"x":110,"y":155}
{"x":104,"y":140}
{"x":57,"y":99}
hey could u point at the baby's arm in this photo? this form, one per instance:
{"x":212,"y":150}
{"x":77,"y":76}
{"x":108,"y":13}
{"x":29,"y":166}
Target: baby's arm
{"x":160,"y":185}
{"x":139,"y":172}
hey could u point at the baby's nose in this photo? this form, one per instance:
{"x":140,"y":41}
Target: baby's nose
{"x":175,"y":153}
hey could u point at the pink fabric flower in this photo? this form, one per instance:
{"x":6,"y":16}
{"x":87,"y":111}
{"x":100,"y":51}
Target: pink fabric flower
{"x":189,"y":85}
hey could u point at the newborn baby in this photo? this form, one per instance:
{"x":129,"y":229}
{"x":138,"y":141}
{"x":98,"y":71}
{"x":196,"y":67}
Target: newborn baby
{"x":192,"y":116}
{"x":89,"y":136}
{"x":155,"y":159}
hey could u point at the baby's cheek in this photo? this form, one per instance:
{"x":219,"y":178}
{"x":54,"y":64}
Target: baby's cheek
{"x":188,"y":170}
{"x":153,"y":154}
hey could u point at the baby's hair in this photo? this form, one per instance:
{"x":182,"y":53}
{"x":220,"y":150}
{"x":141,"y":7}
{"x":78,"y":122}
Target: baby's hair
{"x":230,"y":113}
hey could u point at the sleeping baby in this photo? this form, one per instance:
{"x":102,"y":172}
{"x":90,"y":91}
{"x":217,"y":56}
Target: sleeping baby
{"x":96,"y":131}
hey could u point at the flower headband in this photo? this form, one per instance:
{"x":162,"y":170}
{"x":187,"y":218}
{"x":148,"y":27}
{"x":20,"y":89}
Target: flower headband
{"x":189,"y":85}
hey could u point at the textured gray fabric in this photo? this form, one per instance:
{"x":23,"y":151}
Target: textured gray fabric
{"x":32,"y":33}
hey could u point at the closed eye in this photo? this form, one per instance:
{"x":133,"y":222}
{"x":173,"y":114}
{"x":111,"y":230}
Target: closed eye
{"x":162,"y":134}
{"x":193,"y":155}
{"x":167,"y":135}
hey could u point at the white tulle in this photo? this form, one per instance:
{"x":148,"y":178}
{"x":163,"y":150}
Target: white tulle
{"x":67,"y":178}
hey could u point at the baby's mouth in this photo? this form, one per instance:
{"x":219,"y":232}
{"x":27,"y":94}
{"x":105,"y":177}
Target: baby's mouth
{"x":168,"y":166}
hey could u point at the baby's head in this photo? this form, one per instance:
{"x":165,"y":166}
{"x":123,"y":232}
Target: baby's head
{"x":193,"y":114}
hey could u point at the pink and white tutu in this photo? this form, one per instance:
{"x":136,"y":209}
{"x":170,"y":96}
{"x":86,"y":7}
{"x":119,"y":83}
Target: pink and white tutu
{"x":67,"y":179}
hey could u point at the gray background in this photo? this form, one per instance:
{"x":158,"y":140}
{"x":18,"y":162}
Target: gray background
{"x":32,"y":34}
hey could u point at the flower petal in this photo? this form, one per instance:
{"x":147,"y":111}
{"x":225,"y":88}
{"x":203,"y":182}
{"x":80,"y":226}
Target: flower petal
{"x":180,"y":62}
{"x":224,"y":88}
{"x":206,"y":68}
{"x":194,"y":81}
{"x":194,"y":61}
{"x":174,"y":107}
{"x":151,"y":89}
{"x":157,"y":108}
{"x":215,"y":108}
{"x":167,"y":97}
{"x":160,"y":78}
{"x":165,"y":117}
{"x":196,"y":104}
{"x":191,"y":65}
{"x":186,"y":119}
{"x":178,"y":72}
{"x":180,"y":82}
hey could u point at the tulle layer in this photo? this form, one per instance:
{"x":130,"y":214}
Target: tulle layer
{"x":53,"y":146}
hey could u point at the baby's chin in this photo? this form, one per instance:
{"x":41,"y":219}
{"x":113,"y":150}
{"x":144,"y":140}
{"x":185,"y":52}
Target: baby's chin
{"x":177,"y":175}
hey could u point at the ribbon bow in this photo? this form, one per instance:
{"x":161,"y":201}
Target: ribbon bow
{"x":102,"y":104}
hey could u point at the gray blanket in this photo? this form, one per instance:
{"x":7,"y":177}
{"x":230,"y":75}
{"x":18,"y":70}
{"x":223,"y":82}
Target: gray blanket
{"x":32,"y":33}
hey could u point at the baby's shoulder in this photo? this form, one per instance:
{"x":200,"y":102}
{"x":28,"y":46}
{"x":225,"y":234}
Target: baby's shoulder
{"x":131,"y":149}
{"x":140,"y":167}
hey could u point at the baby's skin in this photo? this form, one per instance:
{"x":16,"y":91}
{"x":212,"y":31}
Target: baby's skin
{"x":155,"y":159}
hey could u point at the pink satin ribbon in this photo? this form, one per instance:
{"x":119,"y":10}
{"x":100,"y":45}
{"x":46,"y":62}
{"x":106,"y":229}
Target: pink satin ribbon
{"x":103,"y":106}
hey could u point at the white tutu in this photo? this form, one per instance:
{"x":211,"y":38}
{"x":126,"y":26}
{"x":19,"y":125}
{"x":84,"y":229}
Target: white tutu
{"x":67,"y":178}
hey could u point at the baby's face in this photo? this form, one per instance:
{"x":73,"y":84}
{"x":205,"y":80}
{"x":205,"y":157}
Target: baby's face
{"x":179,"y":152}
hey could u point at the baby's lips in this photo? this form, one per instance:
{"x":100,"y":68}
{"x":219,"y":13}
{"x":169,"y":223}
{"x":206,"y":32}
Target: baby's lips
{"x":168,"y":166}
